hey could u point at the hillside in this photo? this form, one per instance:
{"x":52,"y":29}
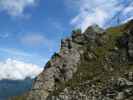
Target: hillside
{"x":94,"y":65}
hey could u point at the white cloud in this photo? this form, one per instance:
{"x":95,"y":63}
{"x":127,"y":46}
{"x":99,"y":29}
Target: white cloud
{"x":15,"y":7}
{"x":86,"y":19}
{"x":129,"y":9}
{"x":96,"y":12}
{"x":21,"y":55}
{"x":128,"y":19}
{"x":14,"y":51}
{"x":33,"y":39}
{"x":18,"y":70}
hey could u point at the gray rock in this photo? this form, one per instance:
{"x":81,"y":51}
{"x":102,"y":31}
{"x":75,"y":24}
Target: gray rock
{"x":88,"y":67}
{"x":120,"y":96}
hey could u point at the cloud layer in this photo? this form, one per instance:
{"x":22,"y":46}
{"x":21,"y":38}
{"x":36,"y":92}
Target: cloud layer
{"x":100,"y":12}
{"x":33,"y":39}
{"x":15,"y":7}
{"x":18,"y":70}
{"x":36,"y":40}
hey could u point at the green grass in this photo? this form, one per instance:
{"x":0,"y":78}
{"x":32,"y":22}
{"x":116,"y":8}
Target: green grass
{"x":88,"y":70}
{"x":94,"y":70}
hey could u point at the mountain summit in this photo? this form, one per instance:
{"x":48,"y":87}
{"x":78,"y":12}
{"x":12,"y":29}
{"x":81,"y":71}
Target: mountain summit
{"x":94,"y":65}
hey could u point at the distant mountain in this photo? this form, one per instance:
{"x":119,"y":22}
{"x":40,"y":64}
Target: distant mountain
{"x":94,"y":65}
{"x":14,"y":87}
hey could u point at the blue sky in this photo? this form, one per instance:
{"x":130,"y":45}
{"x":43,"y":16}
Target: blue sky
{"x":31,"y":30}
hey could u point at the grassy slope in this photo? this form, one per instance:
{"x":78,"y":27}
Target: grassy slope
{"x":93,"y":69}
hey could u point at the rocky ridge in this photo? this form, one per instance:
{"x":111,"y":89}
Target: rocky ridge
{"x":94,"y":65}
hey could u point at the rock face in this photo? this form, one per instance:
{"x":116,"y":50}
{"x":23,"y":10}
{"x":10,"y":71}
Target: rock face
{"x":94,"y":65}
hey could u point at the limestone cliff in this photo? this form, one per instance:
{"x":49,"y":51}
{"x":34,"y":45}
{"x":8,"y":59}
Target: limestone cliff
{"x":94,"y":65}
